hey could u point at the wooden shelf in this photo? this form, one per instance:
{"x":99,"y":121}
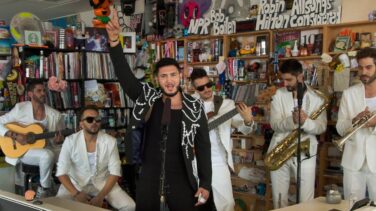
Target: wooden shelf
{"x":250,"y":81}
{"x":301,"y":57}
{"x":203,"y":63}
{"x":250,"y":57}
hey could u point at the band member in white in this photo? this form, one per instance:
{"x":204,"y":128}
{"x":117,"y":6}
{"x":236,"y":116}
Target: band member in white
{"x":220,"y":138}
{"x":89,"y":166}
{"x":284,"y":119}
{"x":359,"y":157}
{"x":29,"y":112}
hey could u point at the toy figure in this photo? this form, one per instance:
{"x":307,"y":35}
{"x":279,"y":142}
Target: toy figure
{"x":247,"y":48}
{"x":102,"y":11}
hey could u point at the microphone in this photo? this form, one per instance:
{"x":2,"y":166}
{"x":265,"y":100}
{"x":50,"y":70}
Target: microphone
{"x":166,"y":115}
{"x":300,"y":93}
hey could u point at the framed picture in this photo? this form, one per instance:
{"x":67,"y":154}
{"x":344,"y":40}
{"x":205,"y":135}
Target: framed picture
{"x":33,"y":38}
{"x":97,"y":39}
{"x":342,"y":43}
{"x":128,"y":41}
{"x":51,"y":36}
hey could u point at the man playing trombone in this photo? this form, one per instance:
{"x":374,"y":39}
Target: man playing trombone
{"x":357,"y":104}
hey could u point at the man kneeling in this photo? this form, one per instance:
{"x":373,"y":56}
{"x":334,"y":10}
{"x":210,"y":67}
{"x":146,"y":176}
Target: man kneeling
{"x":89,"y":166}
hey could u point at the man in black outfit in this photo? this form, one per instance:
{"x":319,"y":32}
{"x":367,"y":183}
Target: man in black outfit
{"x":188,"y":159}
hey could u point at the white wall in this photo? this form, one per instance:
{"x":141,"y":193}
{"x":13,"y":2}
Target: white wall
{"x":356,"y":10}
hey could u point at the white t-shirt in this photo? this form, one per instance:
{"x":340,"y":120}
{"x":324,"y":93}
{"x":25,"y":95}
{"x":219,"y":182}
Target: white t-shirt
{"x":218,"y":152}
{"x":371,"y":103}
{"x":92,"y":161}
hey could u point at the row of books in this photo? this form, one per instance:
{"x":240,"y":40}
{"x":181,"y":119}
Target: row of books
{"x":61,"y":65}
{"x":239,"y":69}
{"x":69,"y":99}
{"x":247,"y":93}
{"x":99,"y":66}
{"x":172,"y":49}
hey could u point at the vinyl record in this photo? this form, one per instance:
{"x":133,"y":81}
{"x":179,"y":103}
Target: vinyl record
{"x":24,"y":21}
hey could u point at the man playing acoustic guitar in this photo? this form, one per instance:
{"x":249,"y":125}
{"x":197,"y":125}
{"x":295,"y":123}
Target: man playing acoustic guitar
{"x":30,"y":112}
{"x":220,"y":139}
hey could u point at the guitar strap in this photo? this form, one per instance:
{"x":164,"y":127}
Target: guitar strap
{"x":218,"y":100}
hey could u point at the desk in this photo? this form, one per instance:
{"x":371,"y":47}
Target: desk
{"x":10,"y":202}
{"x":317,"y":204}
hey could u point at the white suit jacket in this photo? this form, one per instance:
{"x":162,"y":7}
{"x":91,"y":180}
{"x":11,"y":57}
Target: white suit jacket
{"x":74,"y":162}
{"x":225,"y":128}
{"x":23,"y":113}
{"x":362,"y":144}
{"x":282,"y":122}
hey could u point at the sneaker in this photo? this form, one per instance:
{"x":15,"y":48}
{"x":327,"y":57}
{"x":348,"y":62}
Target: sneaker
{"x":42,"y":193}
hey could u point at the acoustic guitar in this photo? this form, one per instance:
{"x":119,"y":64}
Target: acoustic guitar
{"x":35,"y":136}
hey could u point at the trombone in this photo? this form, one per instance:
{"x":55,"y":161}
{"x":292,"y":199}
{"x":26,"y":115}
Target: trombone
{"x":358,"y":124}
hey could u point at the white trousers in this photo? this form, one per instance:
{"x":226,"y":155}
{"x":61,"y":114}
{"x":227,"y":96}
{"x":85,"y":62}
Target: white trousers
{"x":281,"y":181}
{"x":117,"y":198}
{"x":355,"y":183}
{"x":222,"y":188}
{"x":45,"y":159}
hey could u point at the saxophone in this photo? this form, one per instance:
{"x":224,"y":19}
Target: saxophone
{"x":287,"y":147}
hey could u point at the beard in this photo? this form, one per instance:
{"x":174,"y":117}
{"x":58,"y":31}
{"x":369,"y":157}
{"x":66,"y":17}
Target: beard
{"x":371,"y":79}
{"x":170,"y":94}
{"x":93,"y":131}
{"x":290,"y":88}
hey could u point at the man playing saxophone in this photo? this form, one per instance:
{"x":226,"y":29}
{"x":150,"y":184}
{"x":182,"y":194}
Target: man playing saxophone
{"x":284,"y":119}
{"x":359,"y":156}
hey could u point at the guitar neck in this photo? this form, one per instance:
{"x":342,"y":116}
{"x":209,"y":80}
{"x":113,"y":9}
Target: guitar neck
{"x":215,"y":123}
{"x":65,"y":132}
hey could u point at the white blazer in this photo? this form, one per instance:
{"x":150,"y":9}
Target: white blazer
{"x":74,"y":162}
{"x":225,"y":128}
{"x":362,"y":144}
{"x":23,"y":113}
{"x":282,"y":122}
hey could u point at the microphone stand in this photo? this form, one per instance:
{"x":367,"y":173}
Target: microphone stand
{"x":300,"y":93}
{"x":164,"y":133}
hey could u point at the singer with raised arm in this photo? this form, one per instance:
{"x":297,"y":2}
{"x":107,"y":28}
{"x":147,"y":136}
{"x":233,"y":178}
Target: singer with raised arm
{"x":186,"y":155}
{"x":284,"y":119}
{"x":358,"y":104}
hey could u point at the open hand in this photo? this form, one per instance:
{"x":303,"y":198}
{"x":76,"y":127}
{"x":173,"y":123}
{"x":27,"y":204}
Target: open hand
{"x":245,"y":112}
{"x":113,"y":29}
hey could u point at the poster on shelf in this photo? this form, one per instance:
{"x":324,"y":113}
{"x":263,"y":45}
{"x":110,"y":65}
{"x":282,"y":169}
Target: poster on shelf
{"x":278,"y":15}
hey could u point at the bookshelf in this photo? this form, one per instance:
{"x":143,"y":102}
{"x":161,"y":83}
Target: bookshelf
{"x":90,"y":80}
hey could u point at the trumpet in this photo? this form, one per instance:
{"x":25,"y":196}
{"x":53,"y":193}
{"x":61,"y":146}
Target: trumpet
{"x":358,"y":124}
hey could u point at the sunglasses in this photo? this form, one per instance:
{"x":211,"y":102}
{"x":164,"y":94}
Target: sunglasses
{"x":91,"y":119}
{"x":202,"y":87}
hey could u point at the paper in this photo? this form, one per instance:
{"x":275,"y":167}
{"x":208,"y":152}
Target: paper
{"x":341,"y":80}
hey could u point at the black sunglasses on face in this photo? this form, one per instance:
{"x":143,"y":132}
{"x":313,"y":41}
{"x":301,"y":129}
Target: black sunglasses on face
{"x":91,"y":119}
{"x":202,"y":87}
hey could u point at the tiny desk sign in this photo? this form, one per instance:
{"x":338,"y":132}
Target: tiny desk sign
{"x":220,"y":24}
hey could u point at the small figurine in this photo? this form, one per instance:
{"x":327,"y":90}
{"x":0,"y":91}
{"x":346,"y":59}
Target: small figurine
{"x":247,"y":48}
{"x":102,"y":11}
